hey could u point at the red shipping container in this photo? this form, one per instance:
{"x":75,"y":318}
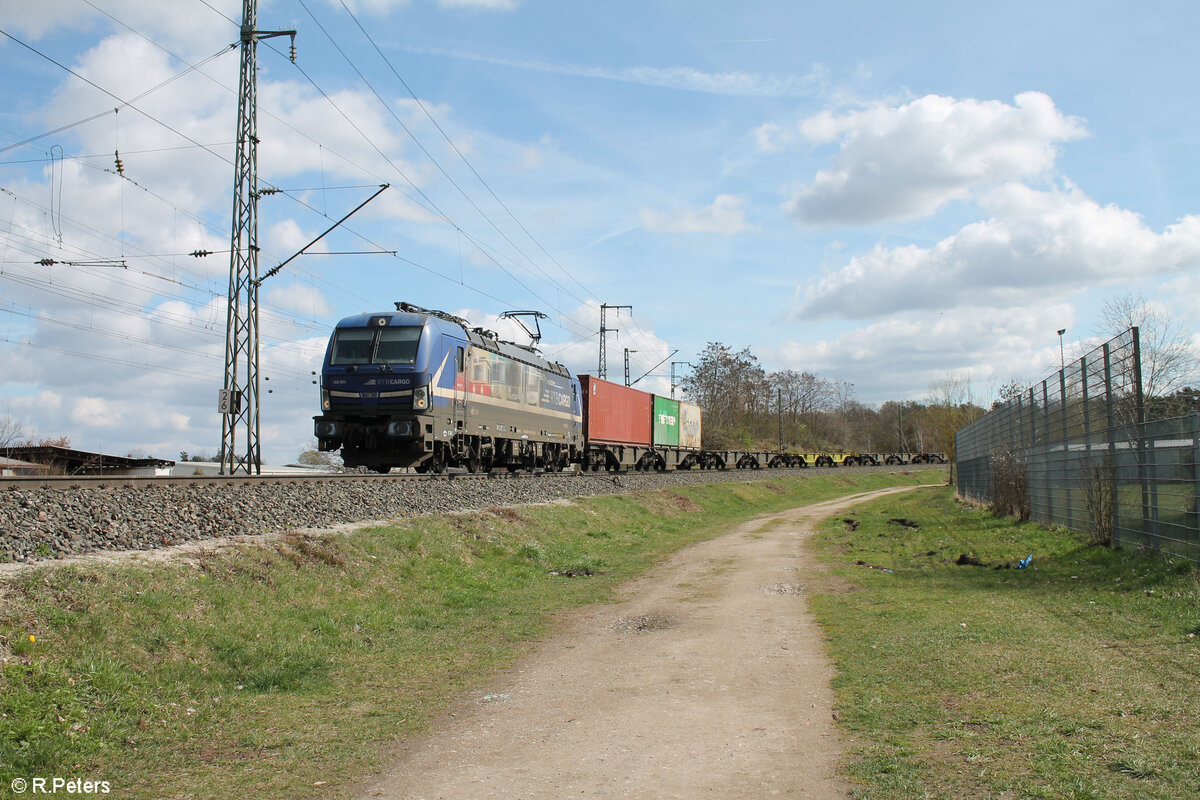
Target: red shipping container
{"x":615,"y":414}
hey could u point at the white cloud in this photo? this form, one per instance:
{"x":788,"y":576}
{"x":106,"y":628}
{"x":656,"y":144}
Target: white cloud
{"x":297,"y":297}
{"x":1035,"y":244}
{"x":905,"y":162}
{"x":726,"y":216}
{"x":187,"y":26}
{"x":907,"y":352}
{"x":771,"y":138}
{"x":94,"y":412}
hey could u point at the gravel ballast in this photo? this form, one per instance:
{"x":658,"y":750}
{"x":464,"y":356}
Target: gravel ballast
{"x":46,"y":523}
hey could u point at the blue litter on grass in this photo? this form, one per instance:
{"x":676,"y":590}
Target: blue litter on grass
{"x":1024,"y":562}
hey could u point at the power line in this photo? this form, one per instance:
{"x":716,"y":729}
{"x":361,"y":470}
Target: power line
{"x":124,"y":103}
{"x":450,"y":141}
{"x":438,"y":210}
{"x":430,"y":156}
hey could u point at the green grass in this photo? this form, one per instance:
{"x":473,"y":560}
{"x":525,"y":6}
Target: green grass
{"x":288,"y":671}
{"x":1078,"y":678}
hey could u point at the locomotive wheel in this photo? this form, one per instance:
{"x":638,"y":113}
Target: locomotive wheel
{"x":473,"y":464}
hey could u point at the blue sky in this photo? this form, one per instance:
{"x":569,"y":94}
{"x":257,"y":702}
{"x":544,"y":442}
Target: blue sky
{"x":878,"y":193}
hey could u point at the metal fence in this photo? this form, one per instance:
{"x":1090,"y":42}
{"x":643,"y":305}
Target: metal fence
{"x":1076,"y":450}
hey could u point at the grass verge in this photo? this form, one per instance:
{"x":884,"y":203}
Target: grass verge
{"x":1077,"y":678}
{"x":287,"y":670}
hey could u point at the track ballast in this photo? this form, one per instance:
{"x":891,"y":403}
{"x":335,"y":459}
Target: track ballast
{"x":54,"y":518}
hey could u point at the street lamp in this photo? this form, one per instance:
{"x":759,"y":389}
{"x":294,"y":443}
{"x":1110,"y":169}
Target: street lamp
{"x":1062,"y":359}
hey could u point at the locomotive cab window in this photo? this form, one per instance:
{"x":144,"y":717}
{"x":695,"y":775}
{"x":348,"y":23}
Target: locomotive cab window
{"x":459,"y":361}
{"x":398,"y":345}
{"x":352,"y":346}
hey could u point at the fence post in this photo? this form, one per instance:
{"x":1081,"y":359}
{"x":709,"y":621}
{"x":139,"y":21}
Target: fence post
{"x":1032,"y":420}
{"x":1152,"y":478}
{"x":1195,"y":483}
{"x":1064,"y":468}
{"x":1087,"y":408}
{"x":1139,"y":427}
{"x":1112,"y":447}
{"x":1047,"y":437}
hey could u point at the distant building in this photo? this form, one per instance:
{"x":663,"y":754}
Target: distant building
{"x":51,"y":460}
{"x":13,"y":466}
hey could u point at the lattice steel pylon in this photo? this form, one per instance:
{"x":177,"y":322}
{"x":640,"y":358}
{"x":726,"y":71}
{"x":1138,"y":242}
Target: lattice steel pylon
{"x":602,"y":367}
{"x":238,"y":401}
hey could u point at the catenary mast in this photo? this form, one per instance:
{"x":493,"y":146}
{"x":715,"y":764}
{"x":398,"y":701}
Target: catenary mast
{"x":238,"y":402}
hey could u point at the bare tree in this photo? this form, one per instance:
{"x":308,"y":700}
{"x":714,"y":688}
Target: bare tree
{"x":799,"y":396}
{"x":1009,"y":391}
{"x":1169,"y":360}
{"x":12,"y":433}
{"x":951,"y":407}
{"x":731,"y":387}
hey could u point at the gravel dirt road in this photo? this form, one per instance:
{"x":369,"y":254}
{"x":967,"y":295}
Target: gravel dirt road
{"x":706,"y":680}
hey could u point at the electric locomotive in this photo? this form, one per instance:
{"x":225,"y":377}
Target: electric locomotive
{"x":420,"y":388}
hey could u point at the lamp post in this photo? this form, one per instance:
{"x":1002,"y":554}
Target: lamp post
{"x":1062,"y":359}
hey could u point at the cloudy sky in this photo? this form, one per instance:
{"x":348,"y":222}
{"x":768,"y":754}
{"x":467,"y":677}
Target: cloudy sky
{"x":882,"y":194}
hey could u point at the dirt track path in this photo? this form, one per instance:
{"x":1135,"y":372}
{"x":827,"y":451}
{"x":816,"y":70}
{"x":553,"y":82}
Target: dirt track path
{"x":707,"y":680}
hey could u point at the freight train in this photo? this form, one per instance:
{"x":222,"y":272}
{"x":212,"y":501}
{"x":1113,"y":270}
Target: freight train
{"x":423,"y":389}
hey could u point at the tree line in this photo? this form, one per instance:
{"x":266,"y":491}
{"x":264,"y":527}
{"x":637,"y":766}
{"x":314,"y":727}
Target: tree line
{"x":748,"y":408}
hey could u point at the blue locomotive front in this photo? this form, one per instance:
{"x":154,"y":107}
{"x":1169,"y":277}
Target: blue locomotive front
{"x":419,"y":388}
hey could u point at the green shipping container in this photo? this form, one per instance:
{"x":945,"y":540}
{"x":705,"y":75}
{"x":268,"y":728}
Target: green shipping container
{"x":666,"y":422}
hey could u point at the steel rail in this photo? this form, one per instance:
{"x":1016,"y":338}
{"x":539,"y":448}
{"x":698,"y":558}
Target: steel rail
{"x":63,"y":482}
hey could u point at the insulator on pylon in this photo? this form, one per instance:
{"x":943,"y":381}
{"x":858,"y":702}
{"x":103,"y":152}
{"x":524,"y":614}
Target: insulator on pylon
{"x":200,"y":253}
{"x":120,"y":166}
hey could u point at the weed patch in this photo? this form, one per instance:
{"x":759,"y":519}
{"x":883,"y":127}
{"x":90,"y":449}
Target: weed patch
{"x":1075,"y":677}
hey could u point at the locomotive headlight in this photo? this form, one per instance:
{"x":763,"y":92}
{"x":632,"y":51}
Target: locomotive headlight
{"x":326,"y":405}
{"x":421,"y":397}
{"x":327,"y":430}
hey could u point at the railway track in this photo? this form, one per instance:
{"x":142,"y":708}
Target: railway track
{"x":67,"y":482}
{"x":105,"y":481}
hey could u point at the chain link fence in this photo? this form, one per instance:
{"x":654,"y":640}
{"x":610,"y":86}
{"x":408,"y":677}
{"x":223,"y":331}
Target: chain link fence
{"x":1076,"y":450}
